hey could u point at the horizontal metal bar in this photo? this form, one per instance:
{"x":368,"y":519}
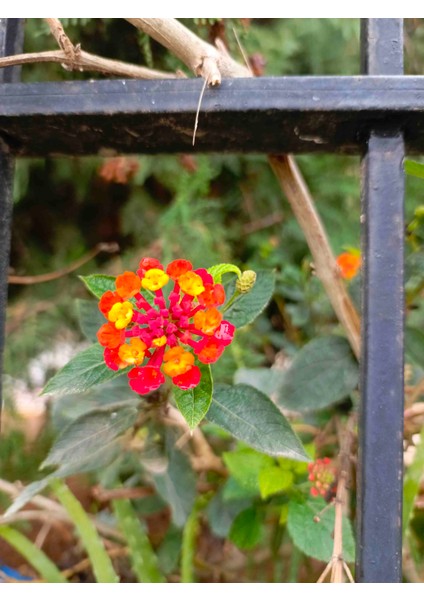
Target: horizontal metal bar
{"x":284,"y":114}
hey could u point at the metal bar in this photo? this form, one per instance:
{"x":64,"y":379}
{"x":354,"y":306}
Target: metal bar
{"x":287,"y":114}
{"x":11,"y":36}
{"x":379,"y":508}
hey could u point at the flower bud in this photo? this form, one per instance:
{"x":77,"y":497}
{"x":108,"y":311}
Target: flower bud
{"x":246,"y":282}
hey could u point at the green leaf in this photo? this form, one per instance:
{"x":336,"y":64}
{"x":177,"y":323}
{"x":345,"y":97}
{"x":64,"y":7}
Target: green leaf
{"x":246,"y":530}
{"x":143,"y":560}
{"x":322,"y":373}
{"x":217,"y":271}
{"x":252,"y":417}
{"x":194,"y":404}
{"x":265,"y":380}
{"x":246,"y":307}
{"x":412,"y":481}
{"x":99,"y":559}
{"x":274,"y":480}
{"x":177,"y":485}
{"x":36,"y":557}
{"x":82,"y":372}
{"x":414,"y":345}
{"x":90,"y":434}
{"x":90,"y":318}
{"x":221,"y":513}
{"x":245,"y":465}
{"x":315,"y":539}
{"x":99,"y":284}
{"x":414,"y":168}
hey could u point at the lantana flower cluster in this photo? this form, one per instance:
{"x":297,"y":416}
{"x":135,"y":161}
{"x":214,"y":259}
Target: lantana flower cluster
{"x":322,"y":474}
{"x":163,"y":336}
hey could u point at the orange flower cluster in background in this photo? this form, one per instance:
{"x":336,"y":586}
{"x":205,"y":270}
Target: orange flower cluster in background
{"x":120,"y":169}
{"x":349,"y":264}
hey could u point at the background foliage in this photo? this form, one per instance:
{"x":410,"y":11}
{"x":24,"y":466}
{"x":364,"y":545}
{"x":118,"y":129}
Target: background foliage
{"x":243,"y":524}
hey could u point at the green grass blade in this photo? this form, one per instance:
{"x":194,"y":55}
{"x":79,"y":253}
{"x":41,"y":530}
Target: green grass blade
{"x":36,"y":557}
{"x":143,"y":559}
{"x":100,"y":561}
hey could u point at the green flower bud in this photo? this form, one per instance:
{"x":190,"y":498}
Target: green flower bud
{"x":246,"y":282}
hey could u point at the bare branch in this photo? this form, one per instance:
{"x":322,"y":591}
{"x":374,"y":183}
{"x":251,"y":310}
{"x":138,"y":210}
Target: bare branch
{"x":202,"y":58}
{"x":71,"y":51}
{"x":85,"y":61}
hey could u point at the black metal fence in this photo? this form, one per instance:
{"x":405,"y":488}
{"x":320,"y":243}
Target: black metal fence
{"x":375,"y":115}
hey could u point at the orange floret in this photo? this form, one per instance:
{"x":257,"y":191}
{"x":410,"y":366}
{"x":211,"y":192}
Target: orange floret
{"x":109,"y":336}
{"x":128,"y":284}
{"x":208,"y":321}
{"x":191,"y":283}
{"x":178,"y":267}
{"x":133,"y":353}
{"x":177,"y":361}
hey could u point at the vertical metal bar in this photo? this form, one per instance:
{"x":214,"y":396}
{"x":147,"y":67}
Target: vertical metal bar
{"x":11,"y":37}
{"x":379,"y":532}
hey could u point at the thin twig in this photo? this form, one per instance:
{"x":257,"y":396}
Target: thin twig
{"x":85,"y":61}
{"x":31,"y":279}
{"x":71,"y":51}
{"x":196,"y":121}
{"x":86,"y":563}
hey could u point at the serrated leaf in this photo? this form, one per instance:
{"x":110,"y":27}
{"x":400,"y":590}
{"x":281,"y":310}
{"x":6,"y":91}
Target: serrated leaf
{"x":194,"y":404}
{"x":82,"y":372}
{"x":247,"y":307}
{"x":143,"y":560}
{"x":322,"y":373}
{"x":274,"y":480}
{"x":99,"y":284}
{"x":177,"y":484}
{"x":252,"y":417}
{"x":315,"y":539}
{"x":89,"y":434}
{"x":217,"y":271}
{"x":90,"y":318}
{"x":246,"y":530}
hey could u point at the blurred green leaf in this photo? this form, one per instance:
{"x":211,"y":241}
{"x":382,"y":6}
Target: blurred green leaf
{"x":245,"y":465}
{"x":246,"y":531}
{"x":177,"y":484}
{"x":253,"y":418}
{"x":411,"y":485}
{"x":414,"y":168}
{"x":322,"y":373}
{"x":82,"y":372}
{"x":90,"y":318}
{"x":315,"y":538}
{"x":274,"y":480}
{"x":90,"y":434}
{"x":414,"y":345}
{"x":221,"y":512}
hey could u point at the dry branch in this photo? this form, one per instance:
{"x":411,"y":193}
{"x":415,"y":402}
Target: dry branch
{"x":84,"y":61}
{"x":202,"y":58}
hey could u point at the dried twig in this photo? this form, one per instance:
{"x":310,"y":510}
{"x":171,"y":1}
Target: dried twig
{"x":84,"y":61}
{"x":202,"y":58}
{"x":31,"y":279}
{"x":337,"y":565}
{"x":71,"y":51}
